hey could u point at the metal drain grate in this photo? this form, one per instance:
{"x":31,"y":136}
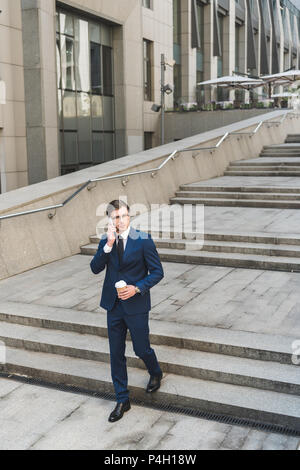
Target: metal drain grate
{"x":161,"y":406}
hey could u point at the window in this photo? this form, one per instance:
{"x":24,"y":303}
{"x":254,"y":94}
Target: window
{"x":85,"y":91}
{"x":147,"y":3}
{"x":148,"y":140}
{"x":147,"y":70}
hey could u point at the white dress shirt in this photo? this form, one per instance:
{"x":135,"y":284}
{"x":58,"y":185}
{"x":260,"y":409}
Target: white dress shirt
{"x":107,"y":248}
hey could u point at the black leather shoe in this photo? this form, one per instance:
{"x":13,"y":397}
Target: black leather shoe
{"x":154,"y":383}
{"x":119,"y":410}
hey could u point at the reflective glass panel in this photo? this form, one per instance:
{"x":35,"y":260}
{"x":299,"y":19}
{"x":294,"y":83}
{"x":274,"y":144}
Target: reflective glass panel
{"x":108,"y":113}
{"x":98,"y":147}
{"x":70,"y":148}
{"x":67,"y":62}
{"x":84,"y":127}
{"x":106,"y":35}
{"x":66,"y":24}
{"x":96,"y":68}
{"x":107,"y":71}
{"x":69,"y":110}
{"x":97,"y":113}
{"x":82,"y":57}
{"x":109,"y":146}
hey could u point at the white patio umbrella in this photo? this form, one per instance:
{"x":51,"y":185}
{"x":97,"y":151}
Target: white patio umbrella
{"x":288,"y":76}
{"x":236,"y":81}
{"x":285,"y":94}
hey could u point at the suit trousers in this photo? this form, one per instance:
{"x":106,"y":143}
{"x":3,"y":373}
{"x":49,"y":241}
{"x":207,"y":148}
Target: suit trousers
{"x":118,"y":321}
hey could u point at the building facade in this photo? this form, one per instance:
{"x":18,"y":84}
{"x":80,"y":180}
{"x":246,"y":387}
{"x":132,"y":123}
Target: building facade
{"x":81,"y":76}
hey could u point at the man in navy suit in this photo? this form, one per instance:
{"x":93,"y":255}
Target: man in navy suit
{"x":128,"y":254}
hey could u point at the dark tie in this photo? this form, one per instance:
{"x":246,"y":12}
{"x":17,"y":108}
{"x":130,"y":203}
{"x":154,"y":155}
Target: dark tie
{"x":120,"y":248}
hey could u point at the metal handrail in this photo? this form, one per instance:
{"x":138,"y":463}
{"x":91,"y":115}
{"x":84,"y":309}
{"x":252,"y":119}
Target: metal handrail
{"x":153,"y":171}
{"x":209,"y":148}
{"x":249,"y":133}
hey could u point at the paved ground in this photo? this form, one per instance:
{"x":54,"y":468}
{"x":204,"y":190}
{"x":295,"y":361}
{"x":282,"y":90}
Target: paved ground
{"x":39,"y":418}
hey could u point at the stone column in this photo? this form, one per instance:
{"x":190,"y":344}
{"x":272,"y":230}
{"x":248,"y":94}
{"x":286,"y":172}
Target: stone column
{"x":228,"y":43}
{"x":210,"y":61}
{"x":188,"y":55}
{"x":38,"y":18}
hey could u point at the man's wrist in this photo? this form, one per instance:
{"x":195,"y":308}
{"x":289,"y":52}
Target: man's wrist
{"x":137,"y":290}
{"x":107,"y":248}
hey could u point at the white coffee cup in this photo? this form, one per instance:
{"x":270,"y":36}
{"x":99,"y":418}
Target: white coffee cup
{"x":120,"y":286}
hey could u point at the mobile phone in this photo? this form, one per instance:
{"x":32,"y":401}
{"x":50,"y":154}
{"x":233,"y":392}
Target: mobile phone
{"x":110,"y":221}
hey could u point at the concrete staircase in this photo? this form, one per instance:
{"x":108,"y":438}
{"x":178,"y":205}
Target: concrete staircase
{"x":235,"y":373}
{"x":275,"y":160}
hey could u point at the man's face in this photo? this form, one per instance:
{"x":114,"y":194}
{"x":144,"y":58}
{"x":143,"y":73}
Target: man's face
{"x":121,"y":219}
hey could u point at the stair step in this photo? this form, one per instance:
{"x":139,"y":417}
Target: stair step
{"x":266,"y":161}
{"x":230,"y":259}
{"x":230,"y":247}
{"x":217,"y":247}
{"x":279,"y":154}
{"x":240,"y":195}
{"x":274,"y":167}
{"x":261,"y":173}
{"x":246,"y":189}
{"x":235,"y":202}
{"x":222,"y":235}
{"x":185,"y":362}
{"x":232,"y":400}
{"x":258,"y":346}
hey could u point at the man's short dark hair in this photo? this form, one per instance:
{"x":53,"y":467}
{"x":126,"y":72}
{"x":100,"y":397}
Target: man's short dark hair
{"x":115,"y":205}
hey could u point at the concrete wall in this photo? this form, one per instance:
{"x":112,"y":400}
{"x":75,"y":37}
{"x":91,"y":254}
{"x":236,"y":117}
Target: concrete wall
{"x":29,"y":241}
{"x":185,"y":124}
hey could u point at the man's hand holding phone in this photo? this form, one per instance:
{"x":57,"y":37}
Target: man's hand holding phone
{"x":111,"y":233}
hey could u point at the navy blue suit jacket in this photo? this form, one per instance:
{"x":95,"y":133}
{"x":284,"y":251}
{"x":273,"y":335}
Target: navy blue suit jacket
{"x":140,"y":256}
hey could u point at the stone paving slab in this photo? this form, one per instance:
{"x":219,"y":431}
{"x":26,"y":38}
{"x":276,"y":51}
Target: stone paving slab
{"x":39,"y":418}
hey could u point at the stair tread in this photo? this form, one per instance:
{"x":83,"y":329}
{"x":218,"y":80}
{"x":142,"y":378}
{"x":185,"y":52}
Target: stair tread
{"x":233,"y":200}
{"x":182,"y":331}
{"x":228,"y":193}
{"x":245,"y":188}
{"x":260,"y":160}
{"x":267,"y":172}
{"x":269,"y":370}
{"x":277,"y":236}
{"x":231,"y":243}
{"x":240,"y":256}
{"x":197,"y":242}
{"x":267,"y":168}
{"x":174,"y":385}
